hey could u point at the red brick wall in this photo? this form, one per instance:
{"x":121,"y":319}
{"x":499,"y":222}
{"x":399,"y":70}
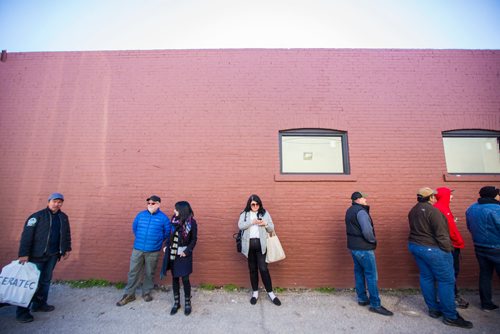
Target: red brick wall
{"x":108,"y":129}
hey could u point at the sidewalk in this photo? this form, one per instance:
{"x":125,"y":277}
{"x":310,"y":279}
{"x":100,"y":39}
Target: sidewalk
{"x":93,"y":310}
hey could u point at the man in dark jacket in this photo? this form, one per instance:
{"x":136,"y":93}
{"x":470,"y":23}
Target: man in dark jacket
{"x":45,"y":239}
{"x":362,"y":243}
{"x":430,"y":244}
{"x":151,"y":227}
{"x":483,"y":222}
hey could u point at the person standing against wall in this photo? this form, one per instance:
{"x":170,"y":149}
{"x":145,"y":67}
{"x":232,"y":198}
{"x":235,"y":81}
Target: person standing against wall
{"x":429,"y":243}
{"x":361,"y":242}
{"x":483,"y":222}
{"x":179,"y":254}
{"x":443,"y":198}
{"x":150,"y":227}
{"x":256,"y":223}
{"x":45,"y":239}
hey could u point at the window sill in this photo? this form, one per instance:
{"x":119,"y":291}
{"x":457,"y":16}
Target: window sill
{"x":471,"y":178}
{"x":313,"y":178}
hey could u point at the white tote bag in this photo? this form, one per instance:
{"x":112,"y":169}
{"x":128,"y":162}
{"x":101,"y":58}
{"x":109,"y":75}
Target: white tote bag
{"x":274,"y":251}
{"x":18,"y":283}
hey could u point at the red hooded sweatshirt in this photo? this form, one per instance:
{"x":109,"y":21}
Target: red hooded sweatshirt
{"x":443,"y":197}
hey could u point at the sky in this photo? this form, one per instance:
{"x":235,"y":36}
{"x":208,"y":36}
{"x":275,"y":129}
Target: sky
{"x":82,"y":25}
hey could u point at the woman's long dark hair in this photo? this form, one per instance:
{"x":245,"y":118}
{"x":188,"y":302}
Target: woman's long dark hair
{"x":255,"y":198}
{"x":184,"y":210}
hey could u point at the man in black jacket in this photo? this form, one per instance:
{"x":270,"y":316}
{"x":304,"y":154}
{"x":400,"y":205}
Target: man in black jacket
{"x":362,"y":243}
{"x":45,"y":239}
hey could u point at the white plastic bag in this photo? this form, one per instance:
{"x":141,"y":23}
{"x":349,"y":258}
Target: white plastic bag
{"x":18,"y":283}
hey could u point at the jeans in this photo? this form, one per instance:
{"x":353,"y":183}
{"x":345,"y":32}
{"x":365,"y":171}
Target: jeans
{"x":141,"y":262}
{"x":436,"y":268}
{"x":39,"y":299}
{"x":257,"y":260}
{"x":365,"y":274}
{"x":489,"y":259}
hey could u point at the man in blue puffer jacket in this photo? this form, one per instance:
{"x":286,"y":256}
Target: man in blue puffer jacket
{"x":483,"y":222}
{"x":151,"y":228}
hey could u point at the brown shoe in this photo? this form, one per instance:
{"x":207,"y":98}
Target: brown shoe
{"x":125,"y":300}
{"x":147,"y":297}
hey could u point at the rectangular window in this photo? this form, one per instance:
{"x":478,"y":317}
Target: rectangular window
{"x":472,"y":152}
{"x":314,"y":151}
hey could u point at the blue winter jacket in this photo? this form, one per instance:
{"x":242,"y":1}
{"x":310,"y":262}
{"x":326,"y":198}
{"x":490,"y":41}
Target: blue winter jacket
{"x":483,"y":222}
{"x":150,"y":230}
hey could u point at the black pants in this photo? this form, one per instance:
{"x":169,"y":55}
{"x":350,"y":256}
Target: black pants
{"x":257,"y":262}
{"x":177,"y":287}
{"x":456,"y":266}
{"x":489,"y":261}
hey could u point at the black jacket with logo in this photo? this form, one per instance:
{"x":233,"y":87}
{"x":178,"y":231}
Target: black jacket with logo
{"x":36,"y":233}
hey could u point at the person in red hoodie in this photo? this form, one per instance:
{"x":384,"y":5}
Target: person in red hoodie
{"x":444,"y":196}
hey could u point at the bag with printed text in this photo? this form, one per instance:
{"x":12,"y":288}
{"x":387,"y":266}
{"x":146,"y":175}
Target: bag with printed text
{"x":18,"y":283}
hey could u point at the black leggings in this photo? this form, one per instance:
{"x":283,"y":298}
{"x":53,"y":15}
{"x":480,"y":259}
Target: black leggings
{"x":185,"y":282}
{"x":257,"y":262}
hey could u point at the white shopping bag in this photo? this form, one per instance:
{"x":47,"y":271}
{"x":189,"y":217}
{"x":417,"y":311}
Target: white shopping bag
{"x":18,"y":283}
{"x":274,"y":251}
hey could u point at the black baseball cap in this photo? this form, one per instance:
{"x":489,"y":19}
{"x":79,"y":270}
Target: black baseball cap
{"x":357,"y":195}
{"x":154,"y":198}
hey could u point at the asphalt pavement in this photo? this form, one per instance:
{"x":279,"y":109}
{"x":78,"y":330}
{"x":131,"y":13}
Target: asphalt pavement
{"x":93,"y":310}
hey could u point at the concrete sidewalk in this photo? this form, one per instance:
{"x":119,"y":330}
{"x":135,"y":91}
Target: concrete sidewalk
{"x":93,"y":310}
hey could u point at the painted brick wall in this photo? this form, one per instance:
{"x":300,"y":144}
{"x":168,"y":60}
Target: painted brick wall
{"x":110,"y":128}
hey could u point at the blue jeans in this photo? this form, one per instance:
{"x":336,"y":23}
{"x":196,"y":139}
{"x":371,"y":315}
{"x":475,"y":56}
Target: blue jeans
{"x":436,"y":269}
{"x":365,"y":274}
{"x":141,"y":262}
{"x":39,"y":299}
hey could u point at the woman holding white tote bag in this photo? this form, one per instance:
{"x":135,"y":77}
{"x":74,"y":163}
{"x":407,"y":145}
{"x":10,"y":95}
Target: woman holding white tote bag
{"x":256,"y":223}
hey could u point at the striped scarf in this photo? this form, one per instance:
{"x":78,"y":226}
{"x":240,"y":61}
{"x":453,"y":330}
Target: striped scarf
{"x":174,"y":246}
{"x":184,"y":232}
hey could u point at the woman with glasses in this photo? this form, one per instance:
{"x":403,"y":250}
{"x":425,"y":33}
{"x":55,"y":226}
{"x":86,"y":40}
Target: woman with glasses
{"x":179,"y":254}
{"x":256,"y":223}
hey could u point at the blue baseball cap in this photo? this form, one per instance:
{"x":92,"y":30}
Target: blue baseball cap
{"x":56,"y":196}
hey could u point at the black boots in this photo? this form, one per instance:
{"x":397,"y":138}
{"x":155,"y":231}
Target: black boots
{"x":177,"y":305}
{"x":187,"y":306}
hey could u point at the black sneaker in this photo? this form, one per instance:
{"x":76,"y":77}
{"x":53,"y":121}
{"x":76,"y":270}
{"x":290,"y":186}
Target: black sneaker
{"x":435,"y":314}
{"x":125,"y":300}
{"x":147,"y":297}
{"x":381,"y":310}
{"x":25,"y":317}
{"x":489,"y":307}
{"x":365,"y":303}
{"x":461,"y":303}
{"x":458,"y":322}
{"x":44,"y":308}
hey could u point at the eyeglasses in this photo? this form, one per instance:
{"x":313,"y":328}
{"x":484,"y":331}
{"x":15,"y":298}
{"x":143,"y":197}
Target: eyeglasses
{"x":255,"y":204}
{"x":152,"y":203}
